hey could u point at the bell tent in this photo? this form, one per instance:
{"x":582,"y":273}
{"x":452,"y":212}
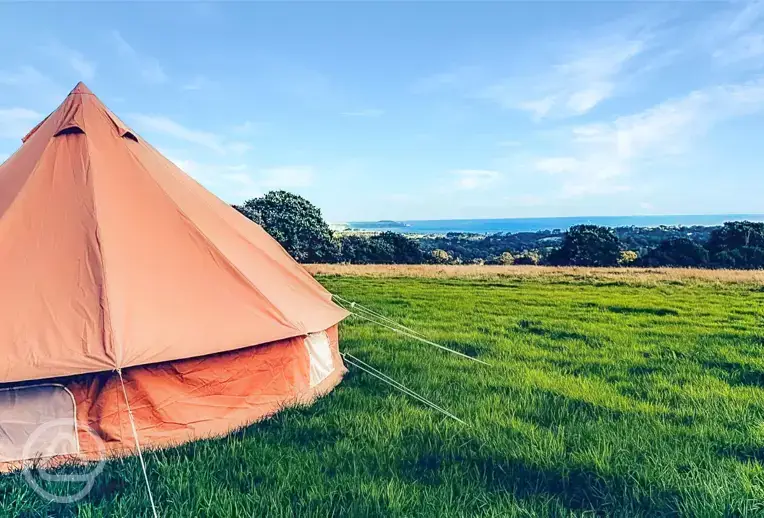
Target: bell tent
{"x":132,"y":296}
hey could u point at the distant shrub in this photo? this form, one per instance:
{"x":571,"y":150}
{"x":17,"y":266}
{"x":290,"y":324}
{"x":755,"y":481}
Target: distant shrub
{"x":528,"y":258}
{"x":477,"y":261}
{"x":505,"y":258}
{"x":439,"y":256}
{"x":627,"y":257}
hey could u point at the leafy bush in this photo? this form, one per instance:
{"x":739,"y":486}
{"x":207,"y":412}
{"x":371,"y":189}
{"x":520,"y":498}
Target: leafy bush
{"x":505,"y":258}
{"x":526,"y":257}
{"x":439,"y":256}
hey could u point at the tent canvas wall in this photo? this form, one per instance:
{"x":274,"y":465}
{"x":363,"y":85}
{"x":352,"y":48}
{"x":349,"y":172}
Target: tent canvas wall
{"x":114,"y":260}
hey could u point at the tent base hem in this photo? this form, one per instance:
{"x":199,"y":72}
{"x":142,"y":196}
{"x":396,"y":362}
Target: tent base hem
{"x":174,"y":403}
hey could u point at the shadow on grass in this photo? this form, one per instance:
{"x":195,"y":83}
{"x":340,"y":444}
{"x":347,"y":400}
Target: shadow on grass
{"x":660,"y":312}
{"x":537,"y":329}
{"x":736,"y":373}
{"x":577,"y":489}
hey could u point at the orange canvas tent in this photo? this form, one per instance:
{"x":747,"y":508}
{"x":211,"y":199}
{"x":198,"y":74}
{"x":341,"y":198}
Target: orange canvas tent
{"x":114,"y":263}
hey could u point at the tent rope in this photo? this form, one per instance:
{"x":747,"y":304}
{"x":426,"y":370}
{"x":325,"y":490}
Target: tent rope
{"x":137,"y":444}
{"x":365,"y":367}
{"x":373,"y":313}
{"x":414,"y":337}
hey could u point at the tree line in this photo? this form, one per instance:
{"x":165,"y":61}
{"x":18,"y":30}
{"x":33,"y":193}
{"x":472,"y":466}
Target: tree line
{"x":300,"y":228}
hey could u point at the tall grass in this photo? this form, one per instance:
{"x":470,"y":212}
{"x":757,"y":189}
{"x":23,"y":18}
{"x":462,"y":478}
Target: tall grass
{"x":605,"y":397}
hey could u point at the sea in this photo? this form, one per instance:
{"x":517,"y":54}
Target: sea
{"x":513,"y":225}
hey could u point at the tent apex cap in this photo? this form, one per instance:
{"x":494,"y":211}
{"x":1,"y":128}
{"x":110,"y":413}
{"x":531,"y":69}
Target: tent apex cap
{"x":81,"y":88}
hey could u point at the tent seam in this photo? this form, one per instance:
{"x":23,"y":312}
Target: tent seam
{"x":106,"y":322}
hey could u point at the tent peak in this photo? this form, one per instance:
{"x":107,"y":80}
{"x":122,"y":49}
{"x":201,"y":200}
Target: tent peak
{"x":81,"y":88}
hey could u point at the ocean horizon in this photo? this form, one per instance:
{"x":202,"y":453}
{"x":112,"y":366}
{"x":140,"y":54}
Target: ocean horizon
{"x":514,"y":225}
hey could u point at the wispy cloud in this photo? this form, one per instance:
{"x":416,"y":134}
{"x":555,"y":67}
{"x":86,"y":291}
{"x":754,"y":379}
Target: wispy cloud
{"x":148,"y":67}
{"x":509,"y":143}
{"x":736,"y":35}
{"x":573,"y":86}
{"x":85,"y":68}
{"x":469,"y":179}
{"x":369,"y":112}
{"x":165,"y":126}
{"x":237,"y":147}
{"x":457,"y":78}
{"x":526,"y":200}
{"x":604,"y":154}
{"x":16,"y":122}
{"x":286,"y":177}
{"x":198,"y":83}
{"x":23,"y":76}
{"x":239,"y":181}
{"x":246,"y":128}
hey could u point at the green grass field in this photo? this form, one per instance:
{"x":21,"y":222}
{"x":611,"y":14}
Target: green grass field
{"x":603,"y":398}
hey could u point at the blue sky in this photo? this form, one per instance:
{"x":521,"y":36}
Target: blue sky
{"x":404,"y":110}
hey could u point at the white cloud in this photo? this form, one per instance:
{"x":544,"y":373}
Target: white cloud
{"x":16,"y":122}
{"x":24,"y":76}
{"x":148,"y":67}
{"x":246,"y":128}
{"x":604,"y":154}
{"x":591,"y":188}
{"x":456,"y":78}
{"x":573,"y":86}
{"x":469,"y":179}
{"x":245,"y":186}
{"x":369,"y":112}
{"x":167,"y":126}
{"x":161,"y":125}
{"x":85,"y":68}
{"x":238,"y":148}
{"x":240,"y":181}
{"x":540,"y":108}
{"x":735,"y":36}
{"x":286,"y":177}
{"x":526,"y":200}
{"x":556,"y":165}
{"x":744,"y":48}
{"x":401,"y":197}
{"x":198,"y":83}
{"x":509,"y":143}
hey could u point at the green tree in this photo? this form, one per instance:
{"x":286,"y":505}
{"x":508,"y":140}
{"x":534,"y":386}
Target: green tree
{"x":676,"y":252}
{"x":394,"y":248}
{"x":295,"y":223}
{"x":736,"y":234}
{"x":737,"y":244}
{"x":588,"y":245}
{"x":356,"y":249}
